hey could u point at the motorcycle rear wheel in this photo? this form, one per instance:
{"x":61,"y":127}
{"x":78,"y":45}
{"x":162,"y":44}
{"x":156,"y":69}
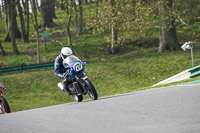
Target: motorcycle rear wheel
{"x":4,"y":107}
{"x":78,"y":98}
{"x":91,"y":90}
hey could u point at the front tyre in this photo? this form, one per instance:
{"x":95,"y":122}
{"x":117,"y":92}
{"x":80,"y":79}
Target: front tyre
{"x":4,"y":107}
{"x":91,"y":90}
{"x":78,"y":98}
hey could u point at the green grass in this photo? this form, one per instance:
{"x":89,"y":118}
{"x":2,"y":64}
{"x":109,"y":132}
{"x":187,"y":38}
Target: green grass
{"x":133,"y":68}
{"x":137,"y":66}
{"x":126,"y":72}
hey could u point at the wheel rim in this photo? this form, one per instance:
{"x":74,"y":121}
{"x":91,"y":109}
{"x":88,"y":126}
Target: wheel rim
{"x":2,"y":108}
{"x":90,"y":93}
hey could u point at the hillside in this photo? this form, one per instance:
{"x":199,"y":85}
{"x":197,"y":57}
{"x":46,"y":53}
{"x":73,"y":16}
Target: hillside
{"x":136,"y":66}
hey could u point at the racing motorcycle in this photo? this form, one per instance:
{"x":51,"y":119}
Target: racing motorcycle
{"x":79,"y":84}
{"x":4,"y":107}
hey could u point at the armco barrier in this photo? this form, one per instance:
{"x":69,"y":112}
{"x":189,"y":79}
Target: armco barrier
{"x":187,"y":74}
{"x":26,"y":67}
{"x":195,"y":71}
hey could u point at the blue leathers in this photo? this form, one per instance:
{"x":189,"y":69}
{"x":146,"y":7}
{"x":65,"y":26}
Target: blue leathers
{"x":58,"y":66}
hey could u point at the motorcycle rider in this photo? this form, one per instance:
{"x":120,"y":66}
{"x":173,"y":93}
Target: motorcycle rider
{"x":60,"y":71}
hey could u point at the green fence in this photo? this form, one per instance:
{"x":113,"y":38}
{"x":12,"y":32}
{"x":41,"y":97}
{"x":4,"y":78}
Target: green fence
{"x":21,"y":68}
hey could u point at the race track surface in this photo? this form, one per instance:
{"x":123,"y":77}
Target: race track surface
{"x":173,"y":109}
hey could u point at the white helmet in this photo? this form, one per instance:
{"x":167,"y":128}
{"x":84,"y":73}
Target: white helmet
{"x":65,"y":51}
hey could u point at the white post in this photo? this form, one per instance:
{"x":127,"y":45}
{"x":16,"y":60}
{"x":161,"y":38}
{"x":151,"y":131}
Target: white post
{"x":192,"y":57}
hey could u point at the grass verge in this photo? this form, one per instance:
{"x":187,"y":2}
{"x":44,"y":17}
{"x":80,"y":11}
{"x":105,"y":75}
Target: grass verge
{"x":126,"y":72}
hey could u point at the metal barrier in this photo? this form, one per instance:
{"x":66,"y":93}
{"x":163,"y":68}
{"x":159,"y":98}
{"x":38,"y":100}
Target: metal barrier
{"x":195,"y":71}
{"x":21,"y":68}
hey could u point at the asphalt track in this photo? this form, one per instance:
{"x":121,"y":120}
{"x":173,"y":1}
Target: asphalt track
{"x":173,"y":109}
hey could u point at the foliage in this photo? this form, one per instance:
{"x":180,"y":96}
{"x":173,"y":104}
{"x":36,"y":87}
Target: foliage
{"x":187,"y":12}
{"x":131,"y":21}
{"x":136,"y":66}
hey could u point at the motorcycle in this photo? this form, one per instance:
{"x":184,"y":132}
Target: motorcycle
{"x":78,"y":82}
{"x":4,"y":107}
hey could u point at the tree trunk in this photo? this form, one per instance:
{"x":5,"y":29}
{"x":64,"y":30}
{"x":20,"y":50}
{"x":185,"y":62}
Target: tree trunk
{"x":81,"y":17}
{"x":168,"y":39}
{"x":86,"y":2}
{"x":26,"y":26}
{"x":35,"y":23}
{"x":97,"y":8}
{"x":47,"y":13}
{"x":38,"y":47}
{"x":69,"y":10}
{"x":6,"y":13}
{"x":68,"y":28}
{"x":53,"y":9}
{"x":68,"y":31}
{"x":27,"y":20}
{"x":113,"y":29}
{"x":76,"y":18}
{"x":11,"y":15}
{"x":12,"y":24}
{"x":62,"y":5}
{"x":2,"y":49}
{"x":37,"y":6}
{"x":24,"y":33}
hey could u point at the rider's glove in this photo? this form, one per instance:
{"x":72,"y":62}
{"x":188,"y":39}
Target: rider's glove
{"x":64,"y":75}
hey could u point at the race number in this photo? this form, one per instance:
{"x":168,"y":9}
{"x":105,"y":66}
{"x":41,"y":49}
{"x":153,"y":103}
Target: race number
{"x":78,"y":67}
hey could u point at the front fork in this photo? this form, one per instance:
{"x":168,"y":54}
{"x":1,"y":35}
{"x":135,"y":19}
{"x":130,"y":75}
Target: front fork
{"x":81,"y":81}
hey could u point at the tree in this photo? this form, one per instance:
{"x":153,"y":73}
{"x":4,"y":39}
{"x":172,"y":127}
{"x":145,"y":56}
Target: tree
{"x":35,"y":24}
{"x":70,"y":4}
{"x":97,"y":10}
{"x":62,"y":6}
{"x":168,"y":39}
{"x":113,"y":27}
{"x":11,"y":22}
{"x":81,"y":17}
{"x":25,"y":33}
{"x":187,"y":12}
{"x":47,"y":13}
{"x":127,"y":17}
{"x":2,"y":49}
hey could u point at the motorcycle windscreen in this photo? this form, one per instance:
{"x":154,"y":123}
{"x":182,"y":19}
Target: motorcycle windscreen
{"x":70,"y":60}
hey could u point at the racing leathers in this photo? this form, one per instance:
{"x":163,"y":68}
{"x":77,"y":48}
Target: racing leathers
{"x":60,"y":72}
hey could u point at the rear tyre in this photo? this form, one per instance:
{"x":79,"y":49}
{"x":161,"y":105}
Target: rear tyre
{"x":4,"y":107}
{"x":78,"y":98}
{"x":91,"y":90}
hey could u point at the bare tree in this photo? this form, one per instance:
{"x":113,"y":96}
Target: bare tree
{"x":35,"y":23}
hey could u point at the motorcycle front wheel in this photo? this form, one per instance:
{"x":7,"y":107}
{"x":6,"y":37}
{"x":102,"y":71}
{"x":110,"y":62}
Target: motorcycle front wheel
{"x":4,"y":107}
{"x":78,"y":98}
{"x":91,"y":90}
